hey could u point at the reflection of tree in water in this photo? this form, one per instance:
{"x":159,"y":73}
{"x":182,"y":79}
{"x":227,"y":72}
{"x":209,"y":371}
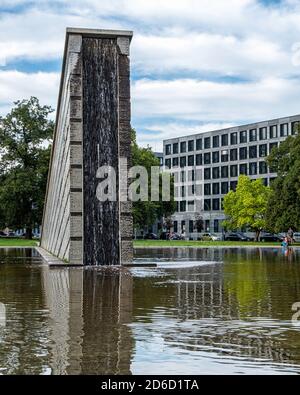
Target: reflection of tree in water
{"x":233,"y":309}
{"x":23,"y":345}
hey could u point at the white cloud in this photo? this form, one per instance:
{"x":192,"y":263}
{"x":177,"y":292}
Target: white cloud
{"x":17,"y":86}
{"x":205,"y":100}
{"x":201,"y":40}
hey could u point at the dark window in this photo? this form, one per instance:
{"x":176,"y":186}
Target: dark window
{"x":175,"y":162}
{"x":207,"y":174}
{"x":207,"y":189}
{"x":216,"y":141}
{"x":284,"y":130}
{"x":243,"y":137}
{"x":224,"y":140}
{"x":182,"y":226}
{"x":273,"y":132}
{"x":233,"y":171}
{"x":252,"y":168}
{"x":233,"y":185}
{"x":265,"y":182}
{"x":233,"y":154}
{"x":253,"y":135}
{"x":199,"y":160}
{"x":295,"y":128}
{"x":175,"y":148}
{"x":216,"y":204}
{"x":207,"y":225}
{"x":207,"y":143}
{"x":253,"y":152}
{"x":191,"y":226}
{"x":272,"y":145}
{"x":263,"y":150}
{"x":168,"y":149}
{"x":216,"y":173}
{"x":199,"y":144}
{"x":191,"y":145}
{"x":224,"y":188}
{"x":216,"y":189}
{"x":224,"y":156}
{"x":243,"y":169}
{"x":183,"y":191}
{"x":191,"y":160}
{"x":207,"y":158}
{"x":183,"y":147}
{"x":168,"y":163}
{"x":183,"y":176}
{"x":193,"y":175}
{"x":207,"y":204}
{"x":216,"y":157}
{"x":243,"y":153}
{"x":216,"y":226}
{"x":263,"y":168}
{"x":263,"y":134}
{"x":182,"y":206}
{"x":175,"y":227}
{"x":224,"y":171}
{"x":183,"y":161}
{"x":233,"y":138}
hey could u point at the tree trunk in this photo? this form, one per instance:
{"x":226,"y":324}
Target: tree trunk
{"x":257,"y":235}
{"x":28,"y":234}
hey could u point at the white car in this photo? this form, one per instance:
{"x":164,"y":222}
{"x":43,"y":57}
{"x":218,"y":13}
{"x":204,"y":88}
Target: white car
{"x":211,"y":236}
{"x":297,"y":237}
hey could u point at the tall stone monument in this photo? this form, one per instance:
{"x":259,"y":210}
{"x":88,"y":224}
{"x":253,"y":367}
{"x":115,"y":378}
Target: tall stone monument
{"x":92,"y":130}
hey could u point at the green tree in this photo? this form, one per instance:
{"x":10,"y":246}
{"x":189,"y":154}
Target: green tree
{"x":247,"y":206}
{"x":24,"y":151}
{"x":146,"y":213}
{"x":284,"y":204}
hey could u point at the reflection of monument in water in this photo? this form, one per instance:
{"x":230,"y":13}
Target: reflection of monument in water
{"x":89,"y":310}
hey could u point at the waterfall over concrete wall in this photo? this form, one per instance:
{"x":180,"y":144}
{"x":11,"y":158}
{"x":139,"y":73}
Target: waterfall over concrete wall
{"x":92,"y":130}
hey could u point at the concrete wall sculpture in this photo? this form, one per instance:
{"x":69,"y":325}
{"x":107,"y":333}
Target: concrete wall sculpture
{"x":92,"y":130}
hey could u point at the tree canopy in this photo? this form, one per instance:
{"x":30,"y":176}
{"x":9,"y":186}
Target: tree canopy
{"x":246,"y":207}
{"x":25,"y":135}
{"x":284,"y":204}
{"x":146,"y":213}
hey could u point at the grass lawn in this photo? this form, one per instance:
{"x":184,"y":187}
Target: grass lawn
{"x":199,"y":244}
{"x":17,"y":243}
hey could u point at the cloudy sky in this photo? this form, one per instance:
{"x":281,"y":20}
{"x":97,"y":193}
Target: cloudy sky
{"x":197,"y":65}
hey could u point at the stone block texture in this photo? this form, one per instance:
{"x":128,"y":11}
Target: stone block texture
{"x":92,"y":130}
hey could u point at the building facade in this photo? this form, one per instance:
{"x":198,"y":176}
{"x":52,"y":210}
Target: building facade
{"x":206,"y":167}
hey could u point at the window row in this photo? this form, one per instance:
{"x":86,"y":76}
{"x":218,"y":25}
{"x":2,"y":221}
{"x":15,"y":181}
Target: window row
{"x":232,"y":155}
{"x":234,"y":138}
{"x":192,"y":226}
{"x":250,"y":169}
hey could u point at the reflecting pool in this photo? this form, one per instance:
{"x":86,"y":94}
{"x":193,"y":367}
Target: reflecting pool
{"x":199,"y":311}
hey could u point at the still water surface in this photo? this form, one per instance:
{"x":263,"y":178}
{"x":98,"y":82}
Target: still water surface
{"x":200,"y":311}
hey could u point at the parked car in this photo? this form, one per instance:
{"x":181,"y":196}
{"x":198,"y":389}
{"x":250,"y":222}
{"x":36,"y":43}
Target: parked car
{"x":150,"y":236}
{"x":297,"y":237}
{"x":11,"y":234}
{"x":210,"y":237}
{"x":237,"y":236}
{"x":270,"y":237}
{"x":176,"y":236}
{"x":2,"y":234}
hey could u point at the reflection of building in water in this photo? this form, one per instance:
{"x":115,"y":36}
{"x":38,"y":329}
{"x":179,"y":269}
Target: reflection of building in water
{"x":89,"y":310}
{"x":203,"y":296}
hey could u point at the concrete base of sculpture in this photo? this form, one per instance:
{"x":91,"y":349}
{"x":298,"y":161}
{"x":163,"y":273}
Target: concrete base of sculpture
{"x":92,"y":130}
